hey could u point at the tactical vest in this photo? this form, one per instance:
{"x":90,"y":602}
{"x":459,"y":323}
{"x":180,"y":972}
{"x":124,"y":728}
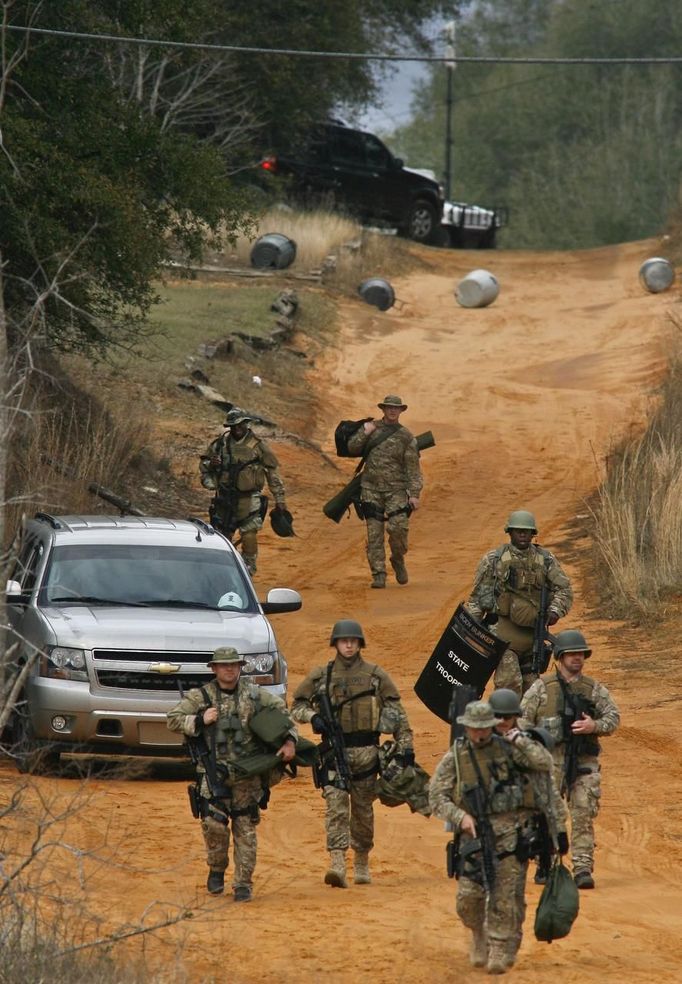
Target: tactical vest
{"x":557,"y":721}
{"x":518,"y":582}
{"x":356,"y":713}
{"x":232,"y":734}
{"x":507,"y":786}
{"x":241,"y":464}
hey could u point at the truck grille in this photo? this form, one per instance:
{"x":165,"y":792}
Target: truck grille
{"x":149,"y":656}
{"x":131,"y":680}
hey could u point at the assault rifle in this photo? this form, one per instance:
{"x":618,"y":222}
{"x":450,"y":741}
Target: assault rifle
{"x":542,"y":649}
{"x":332,"y":749}
{"x":475,"y":801}
{"x":574,"y":745}
{"x":350,"y":493}
{"x":201,"y":755}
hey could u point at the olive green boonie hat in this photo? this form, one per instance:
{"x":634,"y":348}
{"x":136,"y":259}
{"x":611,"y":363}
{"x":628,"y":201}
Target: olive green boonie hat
{"x":237,"y":416}
{"x":226,"y":654}
{"x":478,"y":714}
{"x":392,"y":401}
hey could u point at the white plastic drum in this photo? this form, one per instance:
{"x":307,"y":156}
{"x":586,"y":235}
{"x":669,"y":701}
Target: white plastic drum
{"x":656,"y":274}
{"x":478,"y":289}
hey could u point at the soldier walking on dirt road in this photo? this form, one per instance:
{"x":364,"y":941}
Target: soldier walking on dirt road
{"x":481,"y":787}
{"x":363,"y":703}
{"x":391,"y":483}
{"x":576,"y":710}
{"x":221,"y":711}
{"x":237,"y":465}
{"x":507,"y":592}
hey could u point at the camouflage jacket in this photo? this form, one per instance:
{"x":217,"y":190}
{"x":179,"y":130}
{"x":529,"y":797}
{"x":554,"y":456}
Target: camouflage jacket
{"x":490,"y":588}
{"x":445,"y":794}
{"x":380,"y":712}
{"x":255,"y":464}
{"x":392,"y":466}
{"x":230,"y":735}
{"x":535,"y":712}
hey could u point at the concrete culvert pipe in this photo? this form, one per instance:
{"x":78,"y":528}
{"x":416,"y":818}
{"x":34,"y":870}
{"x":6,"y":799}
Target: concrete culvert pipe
{"x":478,"y":289}
{"x":273,"y":250}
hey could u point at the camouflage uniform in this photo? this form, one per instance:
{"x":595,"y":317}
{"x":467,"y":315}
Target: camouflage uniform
{"x":390,"y":476}
{"x":233,"y":740}
{"x":543,"y":705}
{"x":507,"y":584}
{"x":494,"y":917}
{"x":350,"y":817}
{"x":246,"y":465}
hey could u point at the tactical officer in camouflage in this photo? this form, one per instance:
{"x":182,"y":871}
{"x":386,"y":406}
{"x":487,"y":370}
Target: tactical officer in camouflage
{"x":391,"y":483}
{"x":222,"y":710}
{"x":366,"y":703}
{"x":237,"y":465}
{"x":550,"y":818}
{"x":506,"y":594}
{"x":576,"y":710}
{"x":481,"y":787}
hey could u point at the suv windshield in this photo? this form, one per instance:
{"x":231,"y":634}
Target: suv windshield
{"x":155,"y":576}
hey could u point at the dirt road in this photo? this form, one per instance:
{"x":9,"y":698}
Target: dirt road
{"x":524,"y":399}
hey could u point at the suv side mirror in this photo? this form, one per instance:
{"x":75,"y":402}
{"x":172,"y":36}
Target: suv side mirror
{"x":281,"y":600}
{"x":13,"y":591}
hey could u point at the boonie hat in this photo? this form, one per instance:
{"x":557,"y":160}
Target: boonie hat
{"x":226,"y":654}
{"x":236,"y":416}
{"x":392,"y":401}
{"x":478,"y":714}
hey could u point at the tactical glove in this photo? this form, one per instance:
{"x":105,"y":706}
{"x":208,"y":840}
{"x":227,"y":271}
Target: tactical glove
{"x":552,"y":618}
{"x":318,"y":725}
{"x":562,"y":841}
{"x":408,"y":757}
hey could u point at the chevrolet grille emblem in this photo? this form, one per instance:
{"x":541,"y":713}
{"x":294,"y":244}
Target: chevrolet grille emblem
{"x":164,"y":667}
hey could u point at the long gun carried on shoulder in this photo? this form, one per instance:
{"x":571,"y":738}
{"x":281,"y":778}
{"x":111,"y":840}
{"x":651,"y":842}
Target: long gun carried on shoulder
{"x":332,"y":750}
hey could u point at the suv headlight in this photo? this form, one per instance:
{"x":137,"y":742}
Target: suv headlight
{"x":259,"y":662}
{"x":63,"y":664}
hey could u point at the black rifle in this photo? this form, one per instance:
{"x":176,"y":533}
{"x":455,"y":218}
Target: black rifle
{"x":541,"y":637}
{"x":461,"y":696}
{"x":332,"y":749}
{"x":476,"y":803}
{"x":574,"y":745}
{"x":201,"y":755}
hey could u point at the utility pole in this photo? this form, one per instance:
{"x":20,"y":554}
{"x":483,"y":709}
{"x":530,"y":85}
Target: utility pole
{"x":450,"y":65}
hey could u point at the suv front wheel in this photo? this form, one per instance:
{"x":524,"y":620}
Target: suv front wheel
{"x":423,"y":225}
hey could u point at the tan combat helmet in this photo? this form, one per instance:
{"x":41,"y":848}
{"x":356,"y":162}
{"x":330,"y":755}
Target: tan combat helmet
{"x":392,"y":401}
{"x":225,"y":654}
{"x":478,"y":714}
{"x":521,"y":519}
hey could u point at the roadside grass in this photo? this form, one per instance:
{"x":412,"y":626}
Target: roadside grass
{"x":638,"y":507}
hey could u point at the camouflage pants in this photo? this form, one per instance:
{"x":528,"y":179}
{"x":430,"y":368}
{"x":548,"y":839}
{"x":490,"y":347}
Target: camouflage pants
{"x":386,"y":503}
{"x":501,"y":913}
{"x":217,"y":834}
{"x":514,"y":668}
{"x":246,"y":515}
{"x":349,"y":819}
{"x":583,"y":805}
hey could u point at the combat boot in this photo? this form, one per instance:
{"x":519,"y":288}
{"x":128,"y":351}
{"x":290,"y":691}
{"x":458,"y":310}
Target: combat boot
{"x":336,"y":874}
{"x":379,"y":580}
{"x":242,"y":893}
{"x":497,"y":957}
{"x":361,"y":868}
{"x":478,"y":953}
{"x":400,"y":570}
{"x":215,"y":884}
{"x":584,"y":879}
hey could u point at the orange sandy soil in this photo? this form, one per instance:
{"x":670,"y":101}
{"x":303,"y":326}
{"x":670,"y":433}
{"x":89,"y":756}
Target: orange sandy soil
{"x":524,"y":399}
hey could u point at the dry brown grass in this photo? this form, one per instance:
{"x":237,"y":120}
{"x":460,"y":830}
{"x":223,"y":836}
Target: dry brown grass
{"x":638,"y":514}
{"x":316,"y":234}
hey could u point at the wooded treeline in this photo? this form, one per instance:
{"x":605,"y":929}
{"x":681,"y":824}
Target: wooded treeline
{"x":582,"y":155}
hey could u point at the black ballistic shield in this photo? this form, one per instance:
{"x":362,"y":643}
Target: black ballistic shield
{"x":465,"y":655}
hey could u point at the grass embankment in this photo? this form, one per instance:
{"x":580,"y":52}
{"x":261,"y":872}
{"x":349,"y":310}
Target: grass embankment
{"x":638,"y":511}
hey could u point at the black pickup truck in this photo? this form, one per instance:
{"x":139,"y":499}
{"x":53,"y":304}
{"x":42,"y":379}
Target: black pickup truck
{"x":347,"y":168}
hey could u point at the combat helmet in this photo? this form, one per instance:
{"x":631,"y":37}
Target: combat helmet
{"x":521,"y":519}
{"x":347,"y":628}
{"x":226,"y":654}
{"x":237,"y":416}
{"x":505,"y":703}
{"x":282,"y":522}
{"x":570,"y":641}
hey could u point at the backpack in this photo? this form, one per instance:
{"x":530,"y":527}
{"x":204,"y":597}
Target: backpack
{"x":342,"y":435}
{"x":558,"y":905}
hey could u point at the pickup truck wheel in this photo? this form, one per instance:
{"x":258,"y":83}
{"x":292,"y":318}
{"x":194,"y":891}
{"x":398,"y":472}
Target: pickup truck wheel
{"x":30,"y":757}
{"x":423,"y":224}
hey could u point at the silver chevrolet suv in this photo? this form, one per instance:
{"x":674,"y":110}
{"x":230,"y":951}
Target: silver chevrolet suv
{"x":115,"y":615}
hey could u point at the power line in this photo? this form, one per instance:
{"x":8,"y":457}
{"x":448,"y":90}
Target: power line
{"x":349,"y":55}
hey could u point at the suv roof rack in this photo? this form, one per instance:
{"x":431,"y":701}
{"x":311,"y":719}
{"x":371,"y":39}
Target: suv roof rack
{"x":52,"y":520}
{"x":201,"y":524}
